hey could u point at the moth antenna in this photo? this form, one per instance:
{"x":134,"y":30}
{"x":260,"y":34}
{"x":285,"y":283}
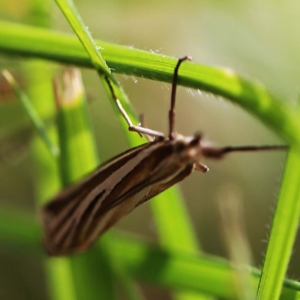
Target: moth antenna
{"x":173,"y":97}
{"x":213,"y":152}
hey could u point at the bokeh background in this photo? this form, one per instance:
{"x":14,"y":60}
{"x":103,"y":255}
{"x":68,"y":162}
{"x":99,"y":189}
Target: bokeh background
{"x":256,"y":39}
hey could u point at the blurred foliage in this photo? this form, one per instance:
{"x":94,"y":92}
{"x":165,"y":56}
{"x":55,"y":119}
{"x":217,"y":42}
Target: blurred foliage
{"x":254,"y":38}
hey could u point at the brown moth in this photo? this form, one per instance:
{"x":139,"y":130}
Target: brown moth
{"x":77,"y":216}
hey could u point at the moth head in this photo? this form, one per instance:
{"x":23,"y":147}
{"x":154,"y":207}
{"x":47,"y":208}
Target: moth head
{"x":188,"y":148}
{"x":198,"y":147}
{"x":194,"y":146}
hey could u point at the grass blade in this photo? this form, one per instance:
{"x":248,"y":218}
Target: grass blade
{"x":79,"y":157}
{"x":70,"y":12}
{"x":32,"y":114}
{"x":283,"y":231}
{"x":147,"y":262}
{"x":280,"y":117}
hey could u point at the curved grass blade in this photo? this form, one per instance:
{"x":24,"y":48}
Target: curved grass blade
{"x":279,"y":116}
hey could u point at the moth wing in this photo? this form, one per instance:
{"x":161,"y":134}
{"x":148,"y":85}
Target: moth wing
{"x":58,"y":215}
{"x":158,"y":188}
{"x":118,"y":206}
{"x":71,"y":226}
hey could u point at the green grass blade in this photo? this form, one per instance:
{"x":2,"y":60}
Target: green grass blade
{"x":167,"y":211}
{"x":79,"y":157}
{"x":61,"y":283}
{"x":32,"y":114}
{"x":146,"y":262}
{"x":70,"y":12}
{"x":78,"y":151}
{"x":94,"y":274}
{"x":19,"y":40}
{"x":175,"y":231}
{"x":203,"y":273}
{"x":283,"y":232}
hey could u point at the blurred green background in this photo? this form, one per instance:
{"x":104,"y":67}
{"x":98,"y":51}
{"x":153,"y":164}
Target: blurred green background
{"x":257,"y":39}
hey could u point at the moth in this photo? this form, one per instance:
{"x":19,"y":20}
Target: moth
{"x":78,"y":215}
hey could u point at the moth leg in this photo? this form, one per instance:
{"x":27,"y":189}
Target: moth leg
{"x":201,"y":167}
{"x":139,"y":129}
{"x":143,"y":124}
